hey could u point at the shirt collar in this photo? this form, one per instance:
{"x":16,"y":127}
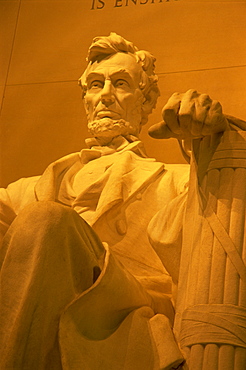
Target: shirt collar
{"x":119,"y":144}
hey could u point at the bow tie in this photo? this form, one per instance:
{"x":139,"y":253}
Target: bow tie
{"x":96,"y":150}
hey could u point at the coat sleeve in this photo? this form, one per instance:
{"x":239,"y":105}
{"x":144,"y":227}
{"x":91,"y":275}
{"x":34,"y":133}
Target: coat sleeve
{"x":165,"y":228}
{"x":13,"y":199}
{"x":165,"y":234}
{"x":7,"y":213}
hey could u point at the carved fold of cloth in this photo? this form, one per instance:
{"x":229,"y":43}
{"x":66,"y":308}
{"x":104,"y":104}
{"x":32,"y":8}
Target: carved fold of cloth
{"x":67,"y":302}
{"x":56,"y":314}
{"x":214,"y":323}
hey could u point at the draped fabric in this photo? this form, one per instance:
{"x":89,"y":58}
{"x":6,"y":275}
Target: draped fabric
{"x":55,"y":312}
{"x":214,"y":323}
{"x":68,"y":299}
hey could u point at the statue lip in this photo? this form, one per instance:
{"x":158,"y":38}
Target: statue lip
{"x":107,"y":114}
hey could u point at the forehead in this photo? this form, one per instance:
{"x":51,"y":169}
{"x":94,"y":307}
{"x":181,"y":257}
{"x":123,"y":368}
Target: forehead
{"x":119,"y":62}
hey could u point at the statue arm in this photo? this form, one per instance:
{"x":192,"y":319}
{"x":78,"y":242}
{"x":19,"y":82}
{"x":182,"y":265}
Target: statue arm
{"x":13,"y":199}
{"x":165,"y":228}
{"x":235,"y":124}
{"x":7,"y":213}
{"x":192,"y":115}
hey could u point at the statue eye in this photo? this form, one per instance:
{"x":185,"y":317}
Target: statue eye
{"x":121,"y":83}
{"x":96,"y":84}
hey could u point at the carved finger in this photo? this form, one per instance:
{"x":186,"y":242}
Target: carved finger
{"x":196,"y":129}
{"x":170,"y":117}
{"x":203,"y":104}
{"x":202,"y":107}
{"x":204,"y":100}
{"x":161,"y":131}
{"x":187,"y":110}
{"x":216,"y":107}
{"x":186,"y":114}
{"x":190,"y":95}
{"x":215,"y":120}
{"x":170,"y":113}
{"x":187,"y":102}
{"x":173,"y":102}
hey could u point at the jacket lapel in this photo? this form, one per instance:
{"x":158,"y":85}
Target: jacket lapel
{"x":122,"y":180}
{"x":125,"y":178}
{"x":48,"y":186}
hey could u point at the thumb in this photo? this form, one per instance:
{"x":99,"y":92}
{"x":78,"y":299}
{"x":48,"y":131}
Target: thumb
{"x":161,"y":131}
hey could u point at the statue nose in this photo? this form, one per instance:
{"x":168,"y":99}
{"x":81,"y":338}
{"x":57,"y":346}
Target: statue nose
{"x":107,"y":95}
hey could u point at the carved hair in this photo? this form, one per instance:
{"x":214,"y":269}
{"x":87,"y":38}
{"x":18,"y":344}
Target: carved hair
{"x":105,"y":46}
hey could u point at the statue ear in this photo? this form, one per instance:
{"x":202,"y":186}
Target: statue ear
{"x":149,"y":104}
{"x":151,"y":99}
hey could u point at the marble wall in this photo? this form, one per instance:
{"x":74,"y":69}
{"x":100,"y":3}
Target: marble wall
{"x":198,"y":44}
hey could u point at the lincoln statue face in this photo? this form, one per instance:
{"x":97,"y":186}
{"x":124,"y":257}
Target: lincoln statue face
{"x":113,"y":99}
{"x":119,"y":88}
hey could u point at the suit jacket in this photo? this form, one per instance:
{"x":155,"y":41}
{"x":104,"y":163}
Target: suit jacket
{"x":119,"y":195}
{"x":119,"y":203}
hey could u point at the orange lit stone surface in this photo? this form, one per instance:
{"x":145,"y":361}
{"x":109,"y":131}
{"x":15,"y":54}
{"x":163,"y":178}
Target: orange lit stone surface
{"x":114,"y":301}
{"x":197,"y":44}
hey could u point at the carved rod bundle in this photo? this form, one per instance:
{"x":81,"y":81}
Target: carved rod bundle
{"x":211,"y":306}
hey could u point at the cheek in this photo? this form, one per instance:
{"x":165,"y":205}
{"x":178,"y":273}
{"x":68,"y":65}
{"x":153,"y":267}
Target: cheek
{"x":90,"y":102}
{"x":133,"y":102}
{"x":130,"y":99}
{"x":139,"y":98}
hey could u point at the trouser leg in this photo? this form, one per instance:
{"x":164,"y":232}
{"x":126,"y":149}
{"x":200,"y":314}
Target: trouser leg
{"x":50,"y":257}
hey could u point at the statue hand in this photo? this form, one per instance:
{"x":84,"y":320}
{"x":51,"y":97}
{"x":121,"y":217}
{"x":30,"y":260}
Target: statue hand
{"x":190,"y":115}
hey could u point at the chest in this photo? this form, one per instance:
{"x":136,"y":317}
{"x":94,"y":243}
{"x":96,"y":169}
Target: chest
{"x":125,"y":226}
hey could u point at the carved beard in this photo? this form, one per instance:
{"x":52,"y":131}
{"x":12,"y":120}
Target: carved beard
{"x":106,"y":129}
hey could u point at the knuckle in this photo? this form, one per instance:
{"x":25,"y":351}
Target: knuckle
{"x":205,"y":99}
{"x":205,"y":96}
{"x":183,"y":116}
{"x":175,"y":95}
{"x":191,"y":94}
{"x":191,"y":91}
{"x":176,"y":130}
{"x":168,"y":111}
{"x":196,"y":132}
{"x":217,"y":106}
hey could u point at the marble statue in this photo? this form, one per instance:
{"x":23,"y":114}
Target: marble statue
{"x":106,"y":257}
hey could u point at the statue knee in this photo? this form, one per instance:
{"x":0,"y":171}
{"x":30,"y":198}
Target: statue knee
{"x":42,"y":215}
{"x":53,"y":229}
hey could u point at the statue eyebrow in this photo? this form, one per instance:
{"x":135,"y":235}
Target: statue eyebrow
{"x":121,"y":72}
{"x":94,"y":75}
{"x":101,"y":76}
